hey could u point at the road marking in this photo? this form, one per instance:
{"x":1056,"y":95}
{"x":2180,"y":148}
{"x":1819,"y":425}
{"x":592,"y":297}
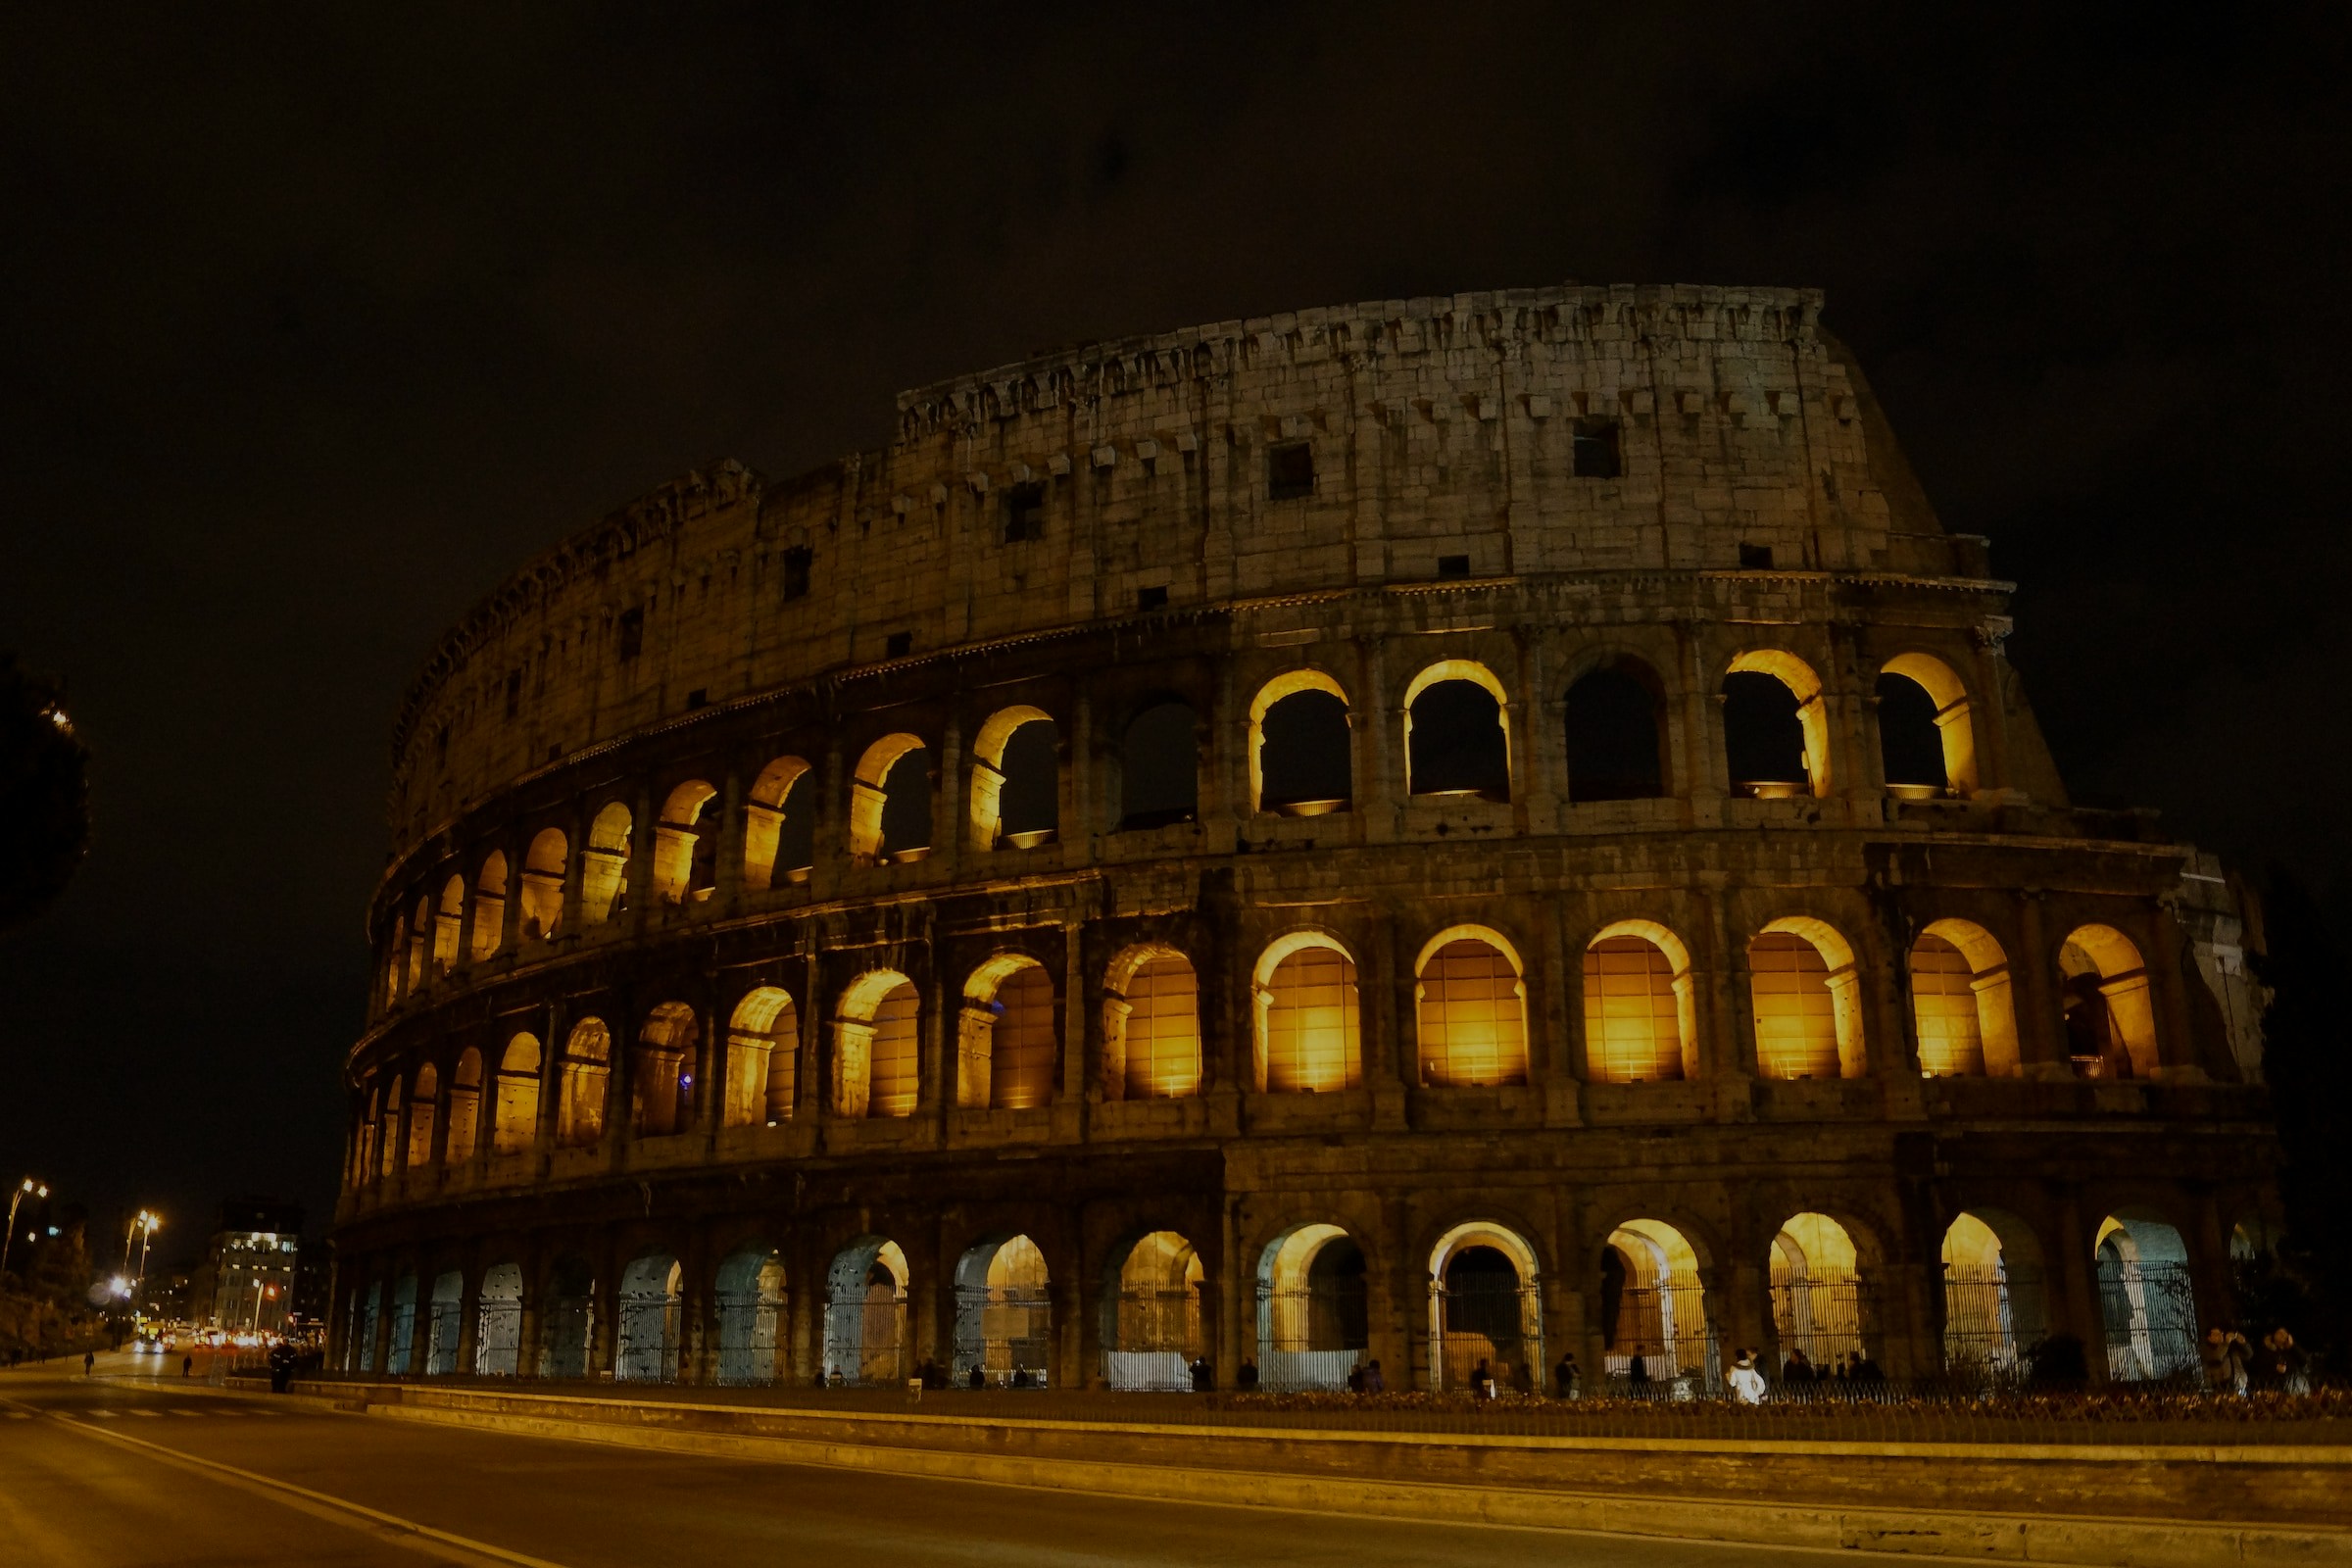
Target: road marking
{"x":149,"y":1414}
{"x":324,"y":1505}
{"x":106,"y":1416}
{"x":188,"y":1412}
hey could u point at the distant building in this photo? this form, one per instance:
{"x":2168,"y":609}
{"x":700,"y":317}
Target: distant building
{"x":313,"y":1283}
{"x":246,"y":1282}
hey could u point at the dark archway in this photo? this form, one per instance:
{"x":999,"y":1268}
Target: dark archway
{"x":1616,"y":741}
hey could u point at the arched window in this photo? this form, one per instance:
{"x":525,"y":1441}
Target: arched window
{"x":1960,"y":1002}
{"x":1776,"y":729}
{"x":762,"y":1037}
{"x":1472,"y":1011}
{"x":1160,"y":772}
{"x":1151,"y":1024}
{"x":2110,"y":1018}
{"x":1641,"y":1020}
{"x":779,"y":832}
{"x":890,"y":802}
{"x":364,"y":1140}
{"x":686,"y":845}
{"x":444,"y":1307}
{"x":498,"y":1321}
{"x":866,"y":1314}
{"x":661,"y":1077}
{"x":1300,"y":746}
{"x":1153,"y":1327}
{"x":1993,"y":1294}
{"x":1016,"y":780}
{"x":1005,"y":1037}
{"x":751,"y":1303}
{"x":566,"y":1319}
{"x":1003,"y":1313}
{"x":1616,"y":742}
{"x":449,"y":926}
{"x":424,"y":1099}
{"x":604,"y":877}
{"x":1816,"y":1297}
{"x":874,"y":1045}
{"x":1309,"y":1030}
{"x":1313,"y":1308}
{"x":1925,"y":738}
{"x":515,"y":1124}
{"x":1457,"y":738}
{"x":1807,"y":1000}
{"x":650,"y":1299}
{"x":464,"y":1106}
{"x":1487,"y":1308}
{"x":584,"y":1085}
{"x":419,"y":940}
{"x":1653,"y":1309}
{"x":543,"y":884}
{"x":2147,"y":1307}
{"x":387,"y":1134}
{"x":490,"y":906}
{"x":396,"y":962}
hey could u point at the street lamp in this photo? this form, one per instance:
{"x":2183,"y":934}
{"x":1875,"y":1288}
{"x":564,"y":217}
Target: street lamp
{"x":141,"y":1221}
{"x":155,"y":1222}
{"x":24,"y":1188}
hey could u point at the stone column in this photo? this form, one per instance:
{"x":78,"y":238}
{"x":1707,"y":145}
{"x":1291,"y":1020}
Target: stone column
{"x":2041,"y":1046}
{"x":469,"y":1313}
{"x":2074,"y":1295}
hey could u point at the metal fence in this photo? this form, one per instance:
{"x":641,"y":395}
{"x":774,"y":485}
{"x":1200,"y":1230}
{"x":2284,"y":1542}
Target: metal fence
{"x":441,"y":1339}
{"x":1821,"y":1315}
{"x":497,"y":1337}
{"x":646,"y":1350}
{"x":865,"y":1336}
{"x":1004,"y":1333}
{"x":747,"y":1338}
{"x":1494,"y":1323}
{"x":1992,"y":1316}
{"x":2150,"y":1316}
{"x":1312,"y":1337}
{"x":1154,"y":1336}
{"x":1660,"y":1337}
{"x":563,"y":1337}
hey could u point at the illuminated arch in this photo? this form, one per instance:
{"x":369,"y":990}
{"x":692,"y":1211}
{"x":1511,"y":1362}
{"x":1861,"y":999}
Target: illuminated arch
{"x":661,"y":1070}
{"x":387,"y":1137}
{"x":1955,"y":731}
{"x":2146,"y":1301}
{"x":1961,"y":1002}
{"x":1152,"y":1023}
{"x":762,"y":1036}
{"x":1309,"y":1033}
{"x":1005,"y":1039}
{"x":543,"y":872}
{"x":875,"y":1031}
{"x":1485,"y":1307}
{"x":1289,"y":685}
{"x":1652,"y":1304}
{"x":2110,"y":1014}
{"x":1003,"y":1309}
{"x":1993,"y":1293}
{"x":490,"y":905}
{"x":869,"y":795}
{"x":866,"y":1314}
{"x":1805,"y":1000}
{"x":1641,"y":1008}
{"x":424,"y":1101}
{"x":765,"y":815}
{"x":1812,"y":712}
{"x":1470,"y":997}
{"x":1151,"y":1326}
{"x":683,"y":845}
{"x":1816,"y":1290}
{"x":1313,"y":1307}
{"x":989,"y":777}
{"x":419,"y":940}
{"x":464,"y":1106}
{"x":583,"y":1083}
{"x":604,"y":871}
{"x":515,"y":1124}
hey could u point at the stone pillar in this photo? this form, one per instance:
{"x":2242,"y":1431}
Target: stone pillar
{"x":1397,"y":1312}
{"x":469,"y":1313}
{"x":2074,"y":1294}
{"x":697,"y":1355}
{"x":1379,"y":785}
{"x":2040,"y":1048}
{"x":604,"y":1308}
{"x":1235,"y":1283}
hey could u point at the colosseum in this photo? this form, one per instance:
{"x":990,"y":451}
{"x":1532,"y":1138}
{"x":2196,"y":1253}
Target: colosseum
{"x":1436,"y":831}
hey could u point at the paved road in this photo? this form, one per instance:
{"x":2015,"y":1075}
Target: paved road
{"x":125,"y":1470}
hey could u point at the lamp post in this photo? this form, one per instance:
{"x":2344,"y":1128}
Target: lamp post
{"x":142,"y":1220}
{"x":23,"y":1187}
{"x":149,"y":1224}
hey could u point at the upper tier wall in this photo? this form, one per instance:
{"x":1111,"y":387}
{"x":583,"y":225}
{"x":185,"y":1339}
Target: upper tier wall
{"x":1439,"y":427}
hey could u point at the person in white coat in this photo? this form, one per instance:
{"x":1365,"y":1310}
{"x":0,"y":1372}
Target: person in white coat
{"x":1747,"y":1384}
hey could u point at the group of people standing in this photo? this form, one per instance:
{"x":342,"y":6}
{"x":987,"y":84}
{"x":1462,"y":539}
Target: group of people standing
{"x":2234,"y":1366}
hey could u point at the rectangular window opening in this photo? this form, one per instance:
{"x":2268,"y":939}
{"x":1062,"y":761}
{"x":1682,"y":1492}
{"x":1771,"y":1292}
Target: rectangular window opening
{"x":699,"y":697}
{"x":897,"y":645}
{"x":1289,"y":471}
{"x":1595,"y":449}
{"x":514,"y":692}
{"x":1150,"y":599}
{"x":1756,"y":558}
{"x":632,"y":632}
{"x":796,"y":572}
{"x":1454,"y":565}
{"x":1024,"y":513}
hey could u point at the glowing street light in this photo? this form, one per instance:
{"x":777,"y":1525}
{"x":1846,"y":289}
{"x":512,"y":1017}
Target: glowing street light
{"x":25,"y":1188}
{"x":142,"y":1229}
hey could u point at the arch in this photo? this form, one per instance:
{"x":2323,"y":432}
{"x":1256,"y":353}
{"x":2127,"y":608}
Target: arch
{"x":1313,"y":1308}
{"x":1159,"y":768}
{"x":1759,"y":740}
{"x":762,"y":1040}
{"x":418,"y":941}
{"x":605,"y":864}
{"x":779,"y":829}
{"x":445,"y":1307}
{"x":1616,"y":734}
{"x":685,"y":849}
{"x":1994,"y":1294}
{"x":2110,"y":1017}
{"x":1152,"y":1328}
{"x":874,"y":826}
{"x":1309,"y":1033}
{"x":424,"y":1101}
{"x":1470,"y":998}
{"x":449,"y":926}
{"x":1654,"y":1313}
{"x":515,"y":1120}
{"x":360,"y":1350}
{"x":749,"y":1299}
{"x":875,"y":1037}
{"x":1300,"y":764}
{"x":661,"y":1073}
{"x":2147,"y":1309}
{"x":566,"y":1319}
{"x":1641,"y":1009}
{"x":1818,"y":1305}
{"x":387,"y":1135}
{"x":403,"y":1337}
{"x":1003,"y":1314}
{"x":1016,"y":765}
{"x":1936,"y":738}
{"x":866,"y":1314}
{"x":1460,"y":743}
{"x":584,"y":1085}
{"x":1961,"y":1002}
{"x":1005,"y":1038}
{"x":650,"y":1296}
{"x":490,"y":905}
{"x":396,"y":962}
{"x":1151,"y":1024}
{"x":543,"y":872}
{"x":1485,"y":1309}
{"x":370,"y":1135}
{"x":1806,"y":998}
{"x":498,"y":1322}
{"x":464,"y":1106}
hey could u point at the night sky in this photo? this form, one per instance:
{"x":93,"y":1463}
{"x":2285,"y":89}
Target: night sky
{"x":316,"y":322}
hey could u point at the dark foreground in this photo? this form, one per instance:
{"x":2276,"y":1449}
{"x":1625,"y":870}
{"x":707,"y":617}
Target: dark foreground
{"x":99,"y":1475}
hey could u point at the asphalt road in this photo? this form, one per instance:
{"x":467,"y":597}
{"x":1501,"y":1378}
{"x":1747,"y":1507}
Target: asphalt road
{"x":136,"y":1468}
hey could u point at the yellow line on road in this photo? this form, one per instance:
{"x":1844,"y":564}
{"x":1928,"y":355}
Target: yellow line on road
{"x":405,"y":1532}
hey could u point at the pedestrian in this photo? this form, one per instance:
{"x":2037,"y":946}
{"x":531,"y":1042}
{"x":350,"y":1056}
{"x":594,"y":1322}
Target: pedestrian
{"x":2213,"y":1354}
{"x":1356,"y":1378}
{"x":1244,"y":1376}
{"x":1867,"y":1370}
{"x":2283,"y":1366}
{"x":1567,"y":1376}
{"x":2238,"y":1359}
{"x":187,"y":1365}
{"x":1747,"y":1384}
{"x":1523,"y":1376}
{"x":1637,"y":1373}
{"x":89,"y":1362}
{"x":1020,"y":1377}
{"x":1798,"y":1368}
{"x":1204,"y":1375}
{"x":1482,"y":1380}
{"x":976,"y":1378}
{"x":1374,"y":1381}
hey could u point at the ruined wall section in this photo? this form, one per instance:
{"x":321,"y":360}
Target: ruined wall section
{"x":1438,"y":429}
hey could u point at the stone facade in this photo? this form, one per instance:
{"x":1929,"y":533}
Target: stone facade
{"x":602,"y":777}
